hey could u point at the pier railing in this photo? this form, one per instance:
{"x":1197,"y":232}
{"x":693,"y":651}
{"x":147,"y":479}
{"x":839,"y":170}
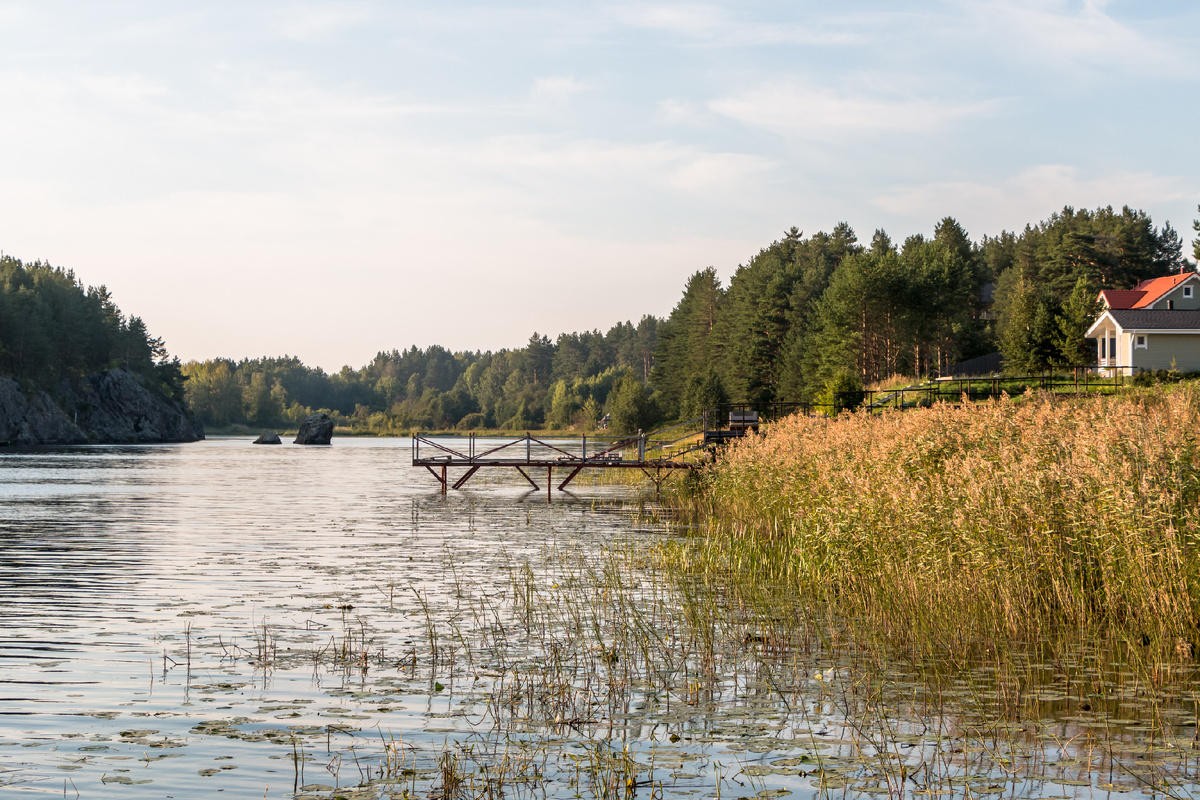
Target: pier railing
{"x":654,"y":453}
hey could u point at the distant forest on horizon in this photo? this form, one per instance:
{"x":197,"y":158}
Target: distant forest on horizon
{"x":804,"y":313}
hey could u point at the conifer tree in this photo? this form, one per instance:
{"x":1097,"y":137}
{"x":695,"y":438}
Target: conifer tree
{"x":1196,"y":241}
{"x":685,"y":346}
{"x":1077,"y":315}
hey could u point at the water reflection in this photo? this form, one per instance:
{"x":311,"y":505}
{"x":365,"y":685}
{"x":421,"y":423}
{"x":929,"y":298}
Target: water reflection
{"x":220,"y":616}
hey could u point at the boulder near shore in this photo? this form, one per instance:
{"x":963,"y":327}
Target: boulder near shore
{"x":317,"y":429}
{"x":268,"y":437}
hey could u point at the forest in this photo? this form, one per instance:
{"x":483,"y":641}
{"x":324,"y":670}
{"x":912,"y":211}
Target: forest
{"x":803,"y":313}
{"x":806,"y":313}
{"x":52,"y":330}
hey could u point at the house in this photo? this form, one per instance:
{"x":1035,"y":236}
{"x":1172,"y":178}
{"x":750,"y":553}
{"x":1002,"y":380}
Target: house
{"x":1155,"y":325}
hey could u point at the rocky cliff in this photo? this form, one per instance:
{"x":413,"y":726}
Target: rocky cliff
{"x":104,"y":408}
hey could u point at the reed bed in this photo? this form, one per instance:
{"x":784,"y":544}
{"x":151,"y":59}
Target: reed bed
{"x":962,"y":527}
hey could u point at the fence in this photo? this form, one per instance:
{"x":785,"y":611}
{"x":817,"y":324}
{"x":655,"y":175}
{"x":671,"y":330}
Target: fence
{"x":1071,"y":380}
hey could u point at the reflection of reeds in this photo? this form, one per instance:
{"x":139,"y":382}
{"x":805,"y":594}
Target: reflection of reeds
{"x":964,"y":527}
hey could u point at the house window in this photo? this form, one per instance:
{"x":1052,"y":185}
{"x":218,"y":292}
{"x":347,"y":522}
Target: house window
{"x":1112,"y":347}
{"x":1140,"y":341}
{"x":1103,"y":348}
{"x":1187,"y":292}
{"x":1170,"y":305}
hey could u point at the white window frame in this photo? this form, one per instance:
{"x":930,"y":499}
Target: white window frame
{"x":1141,"y":342}
{"x":1187,"y":292}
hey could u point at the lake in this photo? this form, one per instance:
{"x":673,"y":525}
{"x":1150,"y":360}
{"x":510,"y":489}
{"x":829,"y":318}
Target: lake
{"x":218,"y":617}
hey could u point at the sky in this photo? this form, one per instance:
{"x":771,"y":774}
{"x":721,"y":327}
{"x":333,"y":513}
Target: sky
{"x":332,"y":179}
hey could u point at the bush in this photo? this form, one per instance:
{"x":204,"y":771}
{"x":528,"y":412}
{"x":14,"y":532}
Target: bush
{"x":631,"y":409}
{"x":842,"y":392}
{"x":1152,"y":377}
{"x":471,"y":422}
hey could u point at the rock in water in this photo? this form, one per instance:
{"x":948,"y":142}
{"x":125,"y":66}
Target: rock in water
{"x":268,"y":437}
{"x":317,"y":429}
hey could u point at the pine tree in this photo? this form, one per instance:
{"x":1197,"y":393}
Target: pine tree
{"x":1076,"y":316}
{"x":685,"y":346}
{"x":1196,"y":241}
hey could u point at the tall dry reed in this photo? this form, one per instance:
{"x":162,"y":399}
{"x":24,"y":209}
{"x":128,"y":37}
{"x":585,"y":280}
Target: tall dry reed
{"x":979,"y":523}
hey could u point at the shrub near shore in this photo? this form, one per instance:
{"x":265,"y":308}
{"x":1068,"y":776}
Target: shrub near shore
{"x":966,"y":525}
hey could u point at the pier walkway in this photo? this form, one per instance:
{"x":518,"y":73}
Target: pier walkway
{"x":657,"y":454}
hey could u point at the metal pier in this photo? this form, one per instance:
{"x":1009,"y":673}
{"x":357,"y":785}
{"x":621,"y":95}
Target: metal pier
{"x":657,"y":455}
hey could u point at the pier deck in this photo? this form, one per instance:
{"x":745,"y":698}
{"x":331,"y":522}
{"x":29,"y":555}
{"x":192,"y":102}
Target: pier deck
{"x":657,"y":454}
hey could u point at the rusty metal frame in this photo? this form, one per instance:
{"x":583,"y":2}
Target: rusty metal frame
{"x":652,"y":454}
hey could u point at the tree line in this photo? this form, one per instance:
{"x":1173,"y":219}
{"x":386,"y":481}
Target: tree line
{"x":569,"y":382}
{"x":52,"y":329}
{"x":808,"y":313}
{"x":802,"y":315}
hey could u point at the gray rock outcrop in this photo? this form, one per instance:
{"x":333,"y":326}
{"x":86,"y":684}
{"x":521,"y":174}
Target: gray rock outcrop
{"x":317,"y":429}
{"x":34,"y":418}
{"x":268,"y":437}
{"x":103,"y":408}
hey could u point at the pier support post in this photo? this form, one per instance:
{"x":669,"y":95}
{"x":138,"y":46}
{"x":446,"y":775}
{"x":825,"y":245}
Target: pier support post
{"x":570,"y":477}
{"x":525,"y":475}
{"x":466,"y":477}
{"x":440,"y":478}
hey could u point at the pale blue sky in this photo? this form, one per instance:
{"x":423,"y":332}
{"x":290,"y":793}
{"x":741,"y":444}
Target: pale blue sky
{"x":329,"y":179}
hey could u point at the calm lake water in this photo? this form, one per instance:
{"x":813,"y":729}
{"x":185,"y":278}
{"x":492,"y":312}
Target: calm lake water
{"x":183,"y":621}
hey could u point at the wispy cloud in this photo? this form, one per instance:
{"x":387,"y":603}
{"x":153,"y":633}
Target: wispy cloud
{"x":555,"y":90}
{"x":1072,"y":34}
{"x":682,"y":112}
{"x":1030,"y":195}
{"x":796,"y":108}
{"x":717,"y":25}
{"x":594,"y":162}
{"x":308,"y":22}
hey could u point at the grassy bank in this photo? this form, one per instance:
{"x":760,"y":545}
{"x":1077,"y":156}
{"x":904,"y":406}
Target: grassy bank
{"x":957,"y":527}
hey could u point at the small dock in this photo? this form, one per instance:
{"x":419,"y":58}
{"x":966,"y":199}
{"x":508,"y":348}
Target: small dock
{"x":658,"y":455}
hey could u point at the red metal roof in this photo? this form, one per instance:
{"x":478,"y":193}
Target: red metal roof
{"x":1117,"y":298}
{"x":1145,"y":293}
{"x":1157,"y":287}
